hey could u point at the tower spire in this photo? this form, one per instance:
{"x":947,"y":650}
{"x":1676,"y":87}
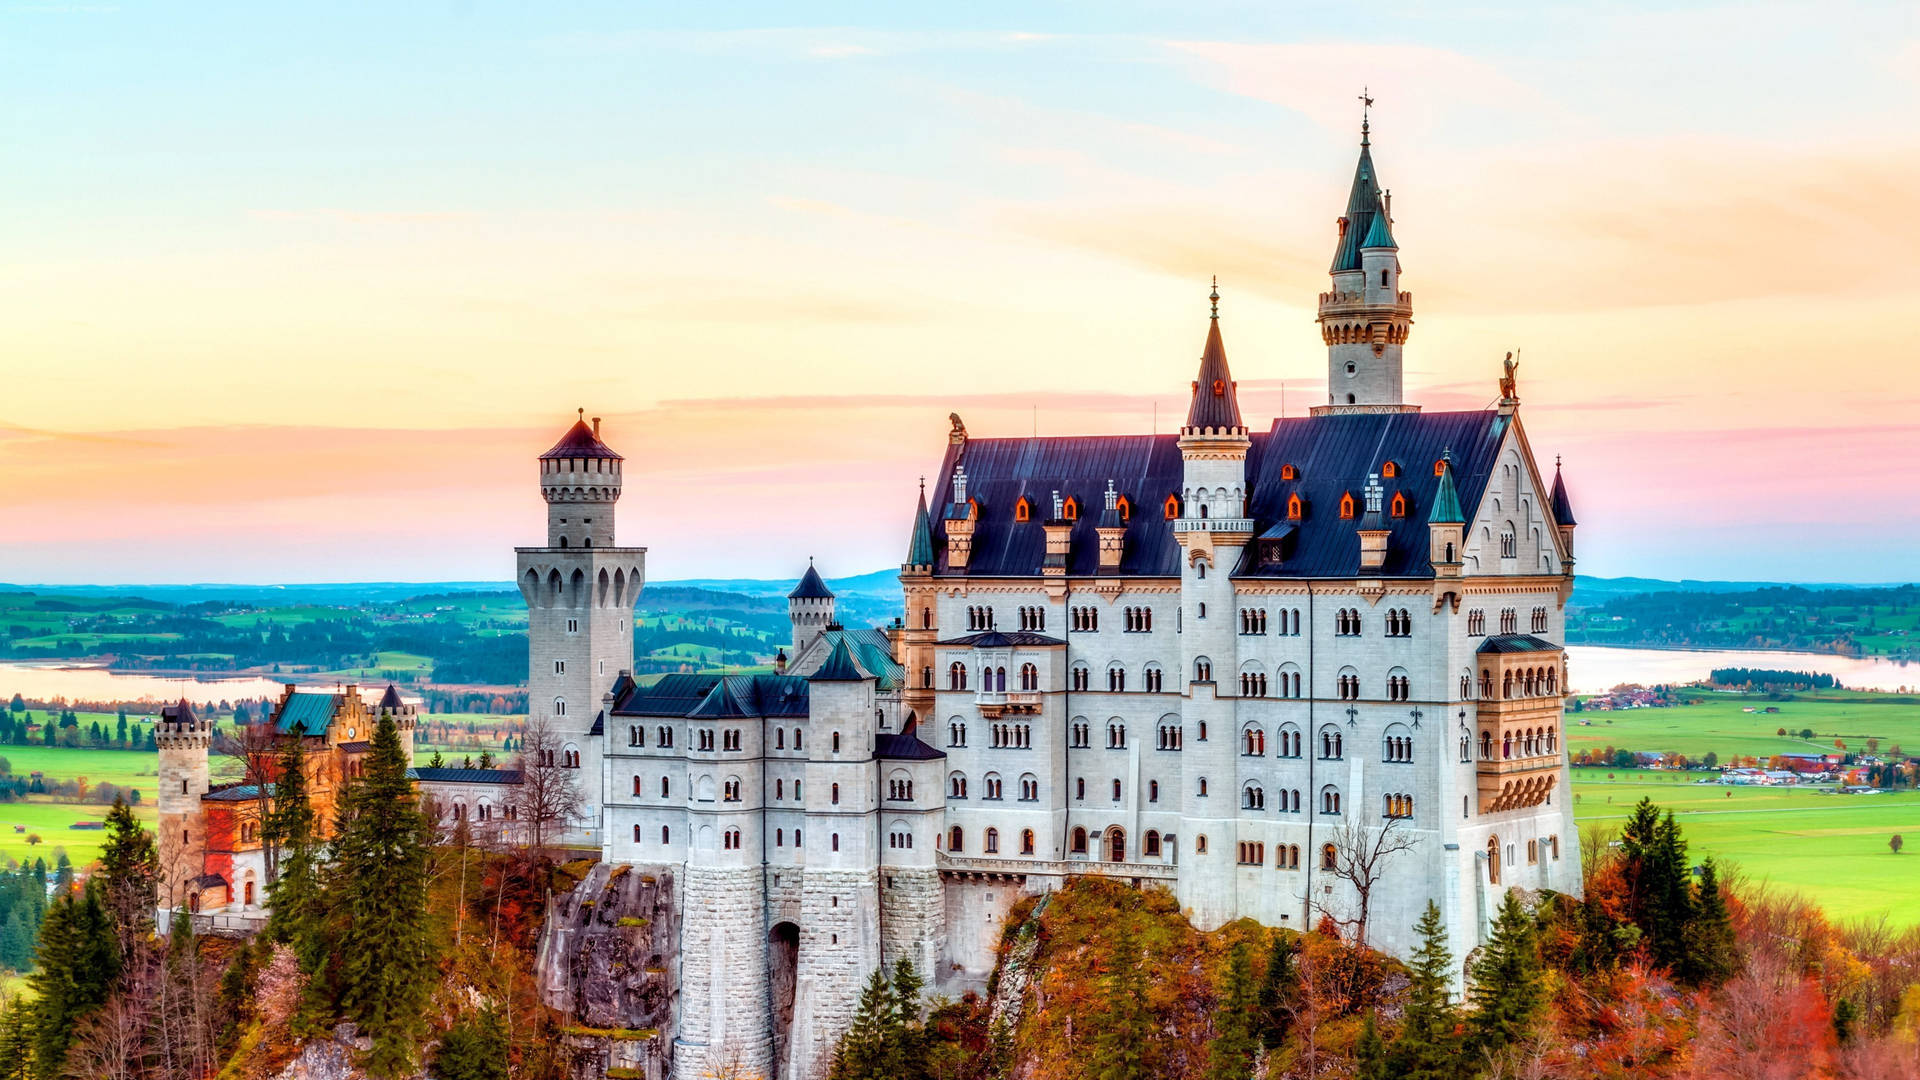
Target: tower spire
{"x":1366,"y":116}
{"x":1216,"y":403}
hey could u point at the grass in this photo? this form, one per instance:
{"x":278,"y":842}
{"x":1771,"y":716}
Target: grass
{"x":1722,"y":726}
{"x":1833,"y":848}
{"x":127,"y":768}
{"x":50,"y":821}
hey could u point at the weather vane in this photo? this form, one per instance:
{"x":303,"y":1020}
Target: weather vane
{"x":1366,"y":104}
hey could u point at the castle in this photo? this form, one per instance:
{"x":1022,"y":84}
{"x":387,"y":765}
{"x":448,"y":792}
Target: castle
{"x":1224,"y":662}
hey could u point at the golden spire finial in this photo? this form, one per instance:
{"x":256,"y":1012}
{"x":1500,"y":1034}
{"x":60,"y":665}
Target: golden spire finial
{"x":1215,"y":296}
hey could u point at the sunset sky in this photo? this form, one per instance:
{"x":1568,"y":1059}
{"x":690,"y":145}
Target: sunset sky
{"x":299,"y":297}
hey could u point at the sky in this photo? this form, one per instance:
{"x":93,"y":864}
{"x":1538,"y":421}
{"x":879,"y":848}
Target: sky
{"x":299,"y":292}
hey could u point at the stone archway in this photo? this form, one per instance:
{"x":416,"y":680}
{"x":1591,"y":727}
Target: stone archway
{"x":783,"y":963}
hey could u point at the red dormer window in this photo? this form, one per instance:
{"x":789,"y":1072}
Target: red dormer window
{"x":1173,"y":507}
{"x":1219,"y":388}
{"x":1440,"y":467}
{"x":1295,"y":508}
{"x":1070,"y":509}
{"x":1023,"y":510}
{"x":1125,"y":508}
{"x":1389,"y":471}
{"x":1288,"y":472}
{"x":1346,"y":506}
{"x":1399,"y":504}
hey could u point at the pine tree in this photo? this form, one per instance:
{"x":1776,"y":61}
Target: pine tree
{"x":294,"y":896}
{"x":1370,"y":1054}
{"x":1427,"y":1047}
{"x":474,"y":1049}
{"x":1123,"y":1036}
{"x":1712,"y":955}
{"x":863,"y":1048}
{"x":1276,"y":994}
{"x":78,"y":962}
{"x":1507,"y":991}
{"x":1230,"y":1055}
{"x":379,"y":893}
{"x":130,"y":876}
{"x":906,"y":1051}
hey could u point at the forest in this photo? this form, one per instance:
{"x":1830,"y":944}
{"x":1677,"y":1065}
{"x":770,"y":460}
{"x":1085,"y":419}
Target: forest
{"x":1877,"y":622}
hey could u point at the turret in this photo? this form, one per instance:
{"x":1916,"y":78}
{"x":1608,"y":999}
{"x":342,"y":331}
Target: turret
{"x":1446,"y":524}
{"x":580,"y":479}
{"x":183,"y":739}
{"x":1563,"y":513}
{"x":1365,"y":319}
{"x":405,"y":717}
{"x":809,"y":609}
{"x":1373,"y":529}
{"x":918,"y":630}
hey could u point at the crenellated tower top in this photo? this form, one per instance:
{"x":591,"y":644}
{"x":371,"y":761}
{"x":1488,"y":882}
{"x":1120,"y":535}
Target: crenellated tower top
{"x":580,"y":479}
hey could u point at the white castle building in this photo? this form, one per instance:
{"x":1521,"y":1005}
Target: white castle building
{"x":1206,"y":661}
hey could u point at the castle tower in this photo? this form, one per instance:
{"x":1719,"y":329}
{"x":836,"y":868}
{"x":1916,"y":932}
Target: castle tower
{"x":405,"y":718}
{"x":183,"y":739}
{"x":809,"y":609}
{"x":580,"y":591}
{"x":921,"y":625}
{"x":1563,"y":514}
{"x":840,"y":898}
{"x":1212,"y":529}
{"x":1365,"y":320}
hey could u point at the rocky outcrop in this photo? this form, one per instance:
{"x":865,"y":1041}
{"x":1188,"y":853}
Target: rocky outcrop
{"x":328,"y":1059}
{"x":608,"y":959}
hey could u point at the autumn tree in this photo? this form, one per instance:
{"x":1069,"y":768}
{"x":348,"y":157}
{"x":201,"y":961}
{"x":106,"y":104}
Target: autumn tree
{"x":1361,"y":853}
{"x":1895,"y":843}
{"x":546,"y":799}
{"x":1123,"y":1032}
{"x":252,"y":750}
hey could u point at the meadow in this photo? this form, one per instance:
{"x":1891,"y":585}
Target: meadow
{"x":1832,"y":848}
{"x":1722,"y":726}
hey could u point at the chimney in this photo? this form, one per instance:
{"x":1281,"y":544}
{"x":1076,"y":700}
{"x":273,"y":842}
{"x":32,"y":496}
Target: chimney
{"x":596,"y":427}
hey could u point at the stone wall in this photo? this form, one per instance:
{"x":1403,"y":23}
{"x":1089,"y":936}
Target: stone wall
{"x":913,"y":922}
{"x":725,"y":1024}
{"x":839,"y":950}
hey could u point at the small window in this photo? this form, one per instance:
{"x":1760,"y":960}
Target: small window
{"x":1173,"y":507}
{"x":1125,"y":508}
{"x":1346,"y":506}
{"x":1022,"y":510}
{"x":1399,"y":504}
{"x":1440,"y":467}
{"x":1296,"y":509}
{"x":1389,"y":470}
{"x":1200,"y":844}
{"x":1288,"y":472}
{"x":1070,"y":510}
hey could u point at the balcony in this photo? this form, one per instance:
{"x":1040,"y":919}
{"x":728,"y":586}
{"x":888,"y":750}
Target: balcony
{"x":992,"y":703}
{"x":1218,"y":525}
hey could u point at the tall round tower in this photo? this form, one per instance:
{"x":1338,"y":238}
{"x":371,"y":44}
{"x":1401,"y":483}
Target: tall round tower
{"x":1365,"y":319}
{"x":183,"y":739}
{"x":809,"y":609}
{"x":580,"y":591}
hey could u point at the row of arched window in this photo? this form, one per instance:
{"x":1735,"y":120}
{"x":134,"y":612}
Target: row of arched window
{"x":1033,"y":618}
{"x":1139,"y":620}
{"x":1530,"y":742}
{"x":1346,"y":622}
{"x":900,"y":790}
{"x":1084,"y":619}
{"x":1011,"y":736}
{"x":1399,"y":623}
{"x":1253,"y":684}
{"x":979,"y":617}
{"x":1397,"y":806}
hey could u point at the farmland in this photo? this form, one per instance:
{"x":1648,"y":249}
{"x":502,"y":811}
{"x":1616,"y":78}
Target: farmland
{"x":1833,"y":848}
{"x":1722,"y":725}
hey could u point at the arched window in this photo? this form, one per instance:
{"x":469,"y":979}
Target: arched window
{"x":1202,"y":670}
{"x":1389,"y":469}
{"x":1172,"y":507}
{"x":957,"y":786}
{"x":1151,"y":846}
{"x":1330,"y":800}
{"x":1079,"y":841}
{"x":992,"y":846}
{"x":955,"y":838}
{"x":1296,"y":509}
{"x":1253,"y":797}
{"x":1026,"y":841}
{"x":1288,"y":472}
{"x":1126,"y":508}
{"x":1022,"y":510}
{"x":1493,"y":860}
{"x":1329,"y":857}
{"x":1029,"y":677}
{"x":1070,"y":510}
{"x":1346,"y":506}
{"x":1399,"y":504}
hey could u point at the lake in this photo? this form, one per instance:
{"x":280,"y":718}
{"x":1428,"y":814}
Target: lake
{"x":1591,"y":669}
{"x":1596,"y":668}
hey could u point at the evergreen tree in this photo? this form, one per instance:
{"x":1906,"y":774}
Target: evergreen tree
{"x":1277,"y":986}
{"x":78,"y":963}
{"x":475,"y":1048}
{"x":130,"y":877}
{"x":906,"y":1053}
{"x":1230,"y":1054}
{"x":294,"y":896}
{"x":1507,"y":991}
{"x":862,"y":1052}
{"x":120,"y":731}
{"x":378,"y":891}
{"x":1427,"y":1047}
{"x":16,"y":1041}
{"x":1124,"y":1034}
{"x":1712,"y":955}
{"x":1370,"y":1054}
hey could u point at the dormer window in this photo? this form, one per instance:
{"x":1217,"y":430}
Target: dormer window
{"x":1070,"y":510}
{"x":1346,"y":506}
{"x":1023,"y":510}
{"x":1399,"y":504}
{"x":1389,"y":470}
{"x":1125,"y":508}
{"x":1295,"y":508}
{"x":1173,"y":507}
{"x":1288,"y":472}
{"x":1440,"y":467}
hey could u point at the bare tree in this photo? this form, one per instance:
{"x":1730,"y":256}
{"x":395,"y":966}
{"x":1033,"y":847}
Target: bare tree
{"x":545,"y":799}
{"x":1360,"y":856}
{"x":252,"y":751}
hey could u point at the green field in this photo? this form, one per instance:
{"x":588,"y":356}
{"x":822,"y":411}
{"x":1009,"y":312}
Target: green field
{"x":1723,"y":727}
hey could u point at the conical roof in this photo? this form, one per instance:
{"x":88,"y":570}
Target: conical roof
{"x":840,"y":665}
{"x":920,"y":547}
{"x":390,"y":699}
{"x":811,"y":587}
{"x":1446,"y":501}
{"x":1363,"y":206}
{"x":581,"y":441}
{"x":1215,"y":402}
{"x":1562,"y":507}
{"x":1380,"y":233}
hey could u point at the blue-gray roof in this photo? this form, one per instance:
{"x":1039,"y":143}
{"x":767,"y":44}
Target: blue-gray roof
{"x":1363,"y":204}
{"x":920,"y":544}
{"x":1562,"y":506}
{"x":1216,"y":403}
{"x":671,"y":696}
{"x":811,"y":587}
{"x":308,"y":714}
{"x":1516,"y":643}
{"x":1331,"y":455}
{"x":236,"y":793}
{"x":750,"y":696}
{"x":464,"y":776}
{"x":839,"y":666}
